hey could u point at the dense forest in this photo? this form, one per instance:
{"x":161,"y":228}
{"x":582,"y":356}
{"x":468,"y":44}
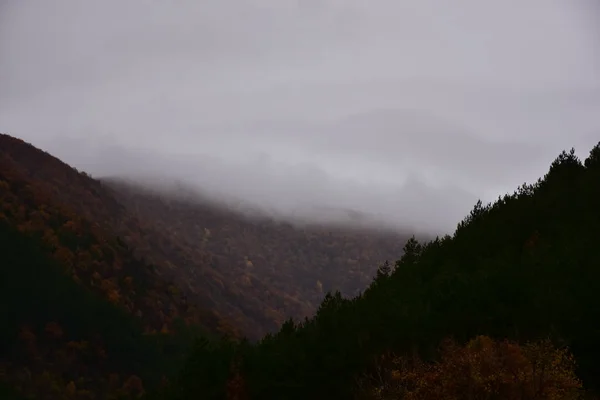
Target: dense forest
{"x":504,"y":308}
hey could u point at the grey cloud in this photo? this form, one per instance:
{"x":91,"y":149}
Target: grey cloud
{"x":411,"y":109}
{"x":301,"y":191}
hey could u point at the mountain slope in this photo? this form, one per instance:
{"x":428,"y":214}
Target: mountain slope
{"x":270,"y":270}
{"x":80,"y":315}
{"x":58,"y":337}
{"x":35,"y":193}
{"x":254,"y":273}
{"x":523,"y":268}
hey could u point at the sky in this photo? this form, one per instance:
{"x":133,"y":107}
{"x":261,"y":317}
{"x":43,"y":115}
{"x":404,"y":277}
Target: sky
{"x":410,"y":110}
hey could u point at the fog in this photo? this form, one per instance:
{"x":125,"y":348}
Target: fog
{"x":408,"y":111}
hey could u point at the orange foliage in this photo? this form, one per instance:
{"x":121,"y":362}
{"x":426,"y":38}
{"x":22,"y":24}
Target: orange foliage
{"x":482,"y":369}
{"x":70,"y":389}
{"x":54,"y":202}
{"x":65,"y":257}
{"x":232,"y":262}
{"x":54,"y":330}
{"x":133,"y":385}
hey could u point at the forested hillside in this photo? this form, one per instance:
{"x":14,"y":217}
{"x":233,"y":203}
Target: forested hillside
{"x":104,"y":287}
{"x":506,"y":307}
{"x":524,"y":268}
{"x":257,"y":271}
{"x":33,"y":202}
{"x":248,"y":273}
{"x":81,"y":316}
{"x":60,"y":340}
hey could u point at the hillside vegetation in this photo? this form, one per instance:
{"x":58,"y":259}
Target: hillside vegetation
{"x":256,"y":271}
{"x":110,"y":295}
{"x":88,"y":250}
{"x":97,"y":302}
{"x":79,"y":313}
{"x":523,"y":269}
{"x":249,"y":273}
{"x":59,"y":340}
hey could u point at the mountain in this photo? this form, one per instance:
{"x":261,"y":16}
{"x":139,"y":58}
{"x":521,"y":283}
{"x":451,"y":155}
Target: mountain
{"x":113,"y":289}
{"x":79,"y":312}
{"x":506,"y":307}
{"x":75,"y":214}
{"x":254,"y":269}
{"x":252,"y":272}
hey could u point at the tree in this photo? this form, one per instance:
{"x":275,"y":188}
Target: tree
{"x":410,"y":252}
{"x":383,"y":271}
{"x":593,"y":160}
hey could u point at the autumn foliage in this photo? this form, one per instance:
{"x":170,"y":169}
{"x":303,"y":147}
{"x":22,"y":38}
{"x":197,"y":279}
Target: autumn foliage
{"x":257,"y":271}
{"x":76,"y":304}
{"x":482,"y":369}
{"x":33,"y":200}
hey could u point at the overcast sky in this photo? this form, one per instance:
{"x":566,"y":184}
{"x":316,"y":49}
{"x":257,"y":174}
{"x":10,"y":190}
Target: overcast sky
{"x":411,"y":109}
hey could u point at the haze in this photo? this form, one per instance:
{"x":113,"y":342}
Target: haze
{"x":409,"y":110}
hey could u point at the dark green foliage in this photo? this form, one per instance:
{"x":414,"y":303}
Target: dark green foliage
{"x":7,"y":393}
{"x":524,"y":268}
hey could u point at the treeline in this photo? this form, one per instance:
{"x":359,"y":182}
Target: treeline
{"x":524,"y":268}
